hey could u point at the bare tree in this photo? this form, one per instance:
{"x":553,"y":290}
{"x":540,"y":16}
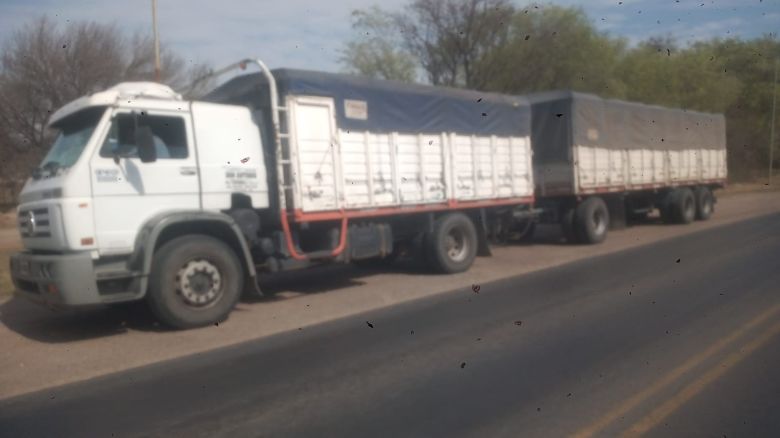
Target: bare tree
{"x":43,"y":66}
{"x":453,"y":38}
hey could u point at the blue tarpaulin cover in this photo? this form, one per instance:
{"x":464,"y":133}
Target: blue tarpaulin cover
{"x":391,"y":106}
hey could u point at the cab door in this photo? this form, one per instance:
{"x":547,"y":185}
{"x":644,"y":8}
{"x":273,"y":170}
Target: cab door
{"x":127,"y":191}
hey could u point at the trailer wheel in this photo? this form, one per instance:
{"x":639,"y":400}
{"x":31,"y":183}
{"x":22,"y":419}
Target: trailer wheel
{"x":704,"y":203}
{"x":683,"y":206}
{"x":567,"y":226}
{"x":452,"y":246}
{"x":196,"y":280}
{"x":591,"y":220}
{"x":666,"y":207}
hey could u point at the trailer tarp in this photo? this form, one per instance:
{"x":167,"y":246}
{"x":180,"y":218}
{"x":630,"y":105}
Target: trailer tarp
{"x":364,"y":104}
{"x":614,"y":124}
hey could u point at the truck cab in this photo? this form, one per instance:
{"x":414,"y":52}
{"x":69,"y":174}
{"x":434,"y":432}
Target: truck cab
{"x":127,"y":165}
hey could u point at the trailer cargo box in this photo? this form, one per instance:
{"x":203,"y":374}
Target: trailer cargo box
{"x":585,"y":144}
{"x":358,"y":145}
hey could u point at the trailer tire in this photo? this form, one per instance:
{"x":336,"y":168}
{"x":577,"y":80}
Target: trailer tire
{"x":591,"y":220}
{"x":666,"y":207}
{"x":567,"y":227}
{"x":196,"y":280}
{"x":683,"y":206}
{"x":705,"y":203}
{"x":452,"y":245}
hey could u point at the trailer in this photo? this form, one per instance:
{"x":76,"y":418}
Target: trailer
{"x":183,"y":203}
{"x":598,"y":162}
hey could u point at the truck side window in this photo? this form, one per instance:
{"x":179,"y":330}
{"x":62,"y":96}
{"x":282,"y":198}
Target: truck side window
{"x":170,"y":136}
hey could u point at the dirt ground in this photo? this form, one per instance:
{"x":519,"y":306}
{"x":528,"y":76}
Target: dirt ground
{"x":8,"y":219}
{"x":44,"y":349}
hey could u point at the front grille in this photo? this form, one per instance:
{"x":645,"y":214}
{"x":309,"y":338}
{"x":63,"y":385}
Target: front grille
{"x":34,"y":222}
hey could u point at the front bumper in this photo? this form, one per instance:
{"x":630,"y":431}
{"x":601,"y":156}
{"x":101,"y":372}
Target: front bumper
{"x":60,"y":280}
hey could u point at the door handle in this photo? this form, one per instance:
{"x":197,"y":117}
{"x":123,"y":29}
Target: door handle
{"x":187,"y":171}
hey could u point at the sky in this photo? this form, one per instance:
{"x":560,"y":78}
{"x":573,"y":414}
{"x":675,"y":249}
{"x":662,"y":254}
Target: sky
{"x":310,"y":33}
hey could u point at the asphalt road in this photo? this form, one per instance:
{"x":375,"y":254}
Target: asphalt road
{"x":676,"y":338}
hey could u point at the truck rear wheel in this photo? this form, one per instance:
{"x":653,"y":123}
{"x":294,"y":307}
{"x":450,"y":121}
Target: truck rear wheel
{"x":196,"y":280}
{"x":452,"y":246}
{"x":683,"y":206}
{"x":704,"y":203}
{"x":591,"y":220}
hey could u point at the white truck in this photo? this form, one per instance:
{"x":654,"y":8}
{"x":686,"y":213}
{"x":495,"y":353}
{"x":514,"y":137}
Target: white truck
{"x":147,"y":196}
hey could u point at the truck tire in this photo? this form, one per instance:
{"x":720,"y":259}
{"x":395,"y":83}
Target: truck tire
{"x":683,"y":206}
{"x":452,"y":245}
{"x":591,"y":220}
{"x":705,"y":203}
{"x":567,"y":227}
{"x":196,"y":280}
{"x":666,"y":207}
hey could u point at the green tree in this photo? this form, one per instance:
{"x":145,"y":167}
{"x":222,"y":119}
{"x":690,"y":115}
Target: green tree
{"x":454,"y":39}
{"x":375,"y":50}
{"x":749,"y":116}
{"x":657,"y":72}
{"x":553,"y":47}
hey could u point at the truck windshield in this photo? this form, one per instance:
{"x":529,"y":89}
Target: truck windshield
{"x":74,"y":133}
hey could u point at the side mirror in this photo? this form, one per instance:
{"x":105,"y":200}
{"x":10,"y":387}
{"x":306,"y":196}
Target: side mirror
{"x":144,"y":139}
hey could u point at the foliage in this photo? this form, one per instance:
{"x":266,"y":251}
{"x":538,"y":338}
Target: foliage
{"x":454,"y":39}
{"x":44,"y":66}
{"x":376,"y":52}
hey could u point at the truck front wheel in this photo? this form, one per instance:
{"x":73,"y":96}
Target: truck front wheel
{"x":452,"y":246}
{"x":196,"y":280}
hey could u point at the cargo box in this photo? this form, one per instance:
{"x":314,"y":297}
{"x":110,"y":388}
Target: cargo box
{"x":585,"y":144}
{"x":361,"y":144}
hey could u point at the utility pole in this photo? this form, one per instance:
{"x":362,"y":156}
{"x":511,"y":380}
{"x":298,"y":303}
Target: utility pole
{"x":156,"y":42}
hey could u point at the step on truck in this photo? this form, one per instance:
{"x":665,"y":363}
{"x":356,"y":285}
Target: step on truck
{"x":145,"y":195}
{"x":601,"y":162}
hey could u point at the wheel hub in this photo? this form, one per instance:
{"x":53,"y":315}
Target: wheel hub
{"x":199,"y":283}
{"x":599,"y":223}
{"x":457,"y":247}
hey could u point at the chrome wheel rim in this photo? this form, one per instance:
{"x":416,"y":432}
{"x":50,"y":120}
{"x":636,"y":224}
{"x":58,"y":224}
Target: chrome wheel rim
{"x":599,"y":222}
{"x":456,"y":245}
{"x":706,"y":206}
{"x":199,"y":283}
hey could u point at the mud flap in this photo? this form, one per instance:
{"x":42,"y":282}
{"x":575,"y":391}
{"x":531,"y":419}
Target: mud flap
{"x":483,"y":247}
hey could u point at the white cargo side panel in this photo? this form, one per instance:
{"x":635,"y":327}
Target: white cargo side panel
{"x":314,"y":154}
{"x":342,"y":169}
{"x":521,"y":170}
